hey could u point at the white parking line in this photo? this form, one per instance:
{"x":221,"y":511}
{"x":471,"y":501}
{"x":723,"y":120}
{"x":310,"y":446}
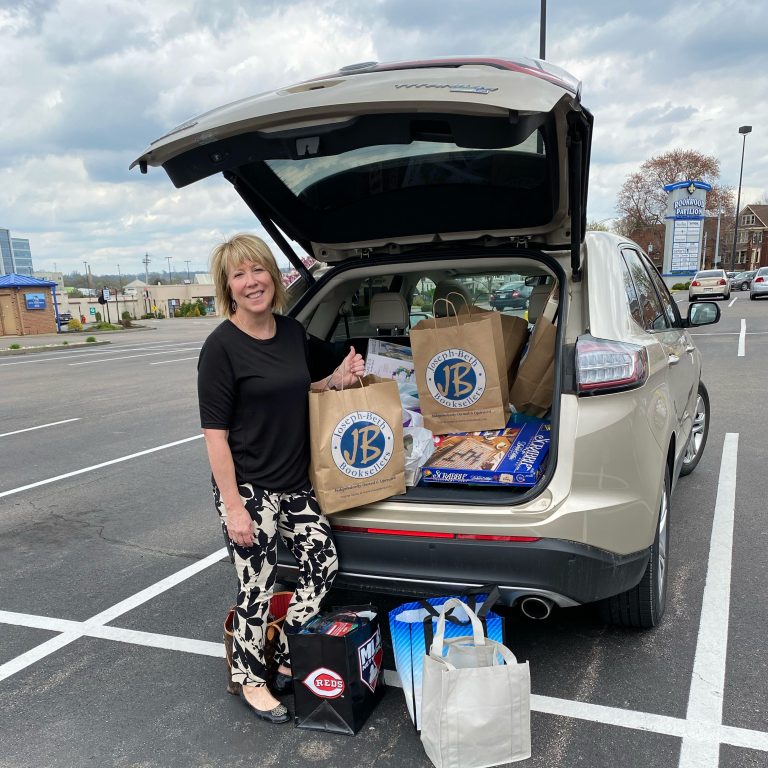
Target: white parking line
{"x":705,"y":701}
{"x":742,"y":337}
{"x":165,"y":362}
{"x":130,"y":357}
{"x":73,"y":633}
{"x":41,"y":426}
{"x":116,"y":349}
{"x":97,"y":466}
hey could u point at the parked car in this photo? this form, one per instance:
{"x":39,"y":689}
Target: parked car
{"x":474,"y":169}
{"x":741,"y":280}
{"x":514,"y":295}
{"x":759,"y":285}
{"x":709,"y":283}
{"x":64,"y":318}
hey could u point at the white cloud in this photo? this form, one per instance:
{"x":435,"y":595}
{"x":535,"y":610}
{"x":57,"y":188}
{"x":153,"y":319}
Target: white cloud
{"x":88,"y":85}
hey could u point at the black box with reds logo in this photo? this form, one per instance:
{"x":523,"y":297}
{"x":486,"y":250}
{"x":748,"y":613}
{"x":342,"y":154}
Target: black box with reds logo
{"x":338,"y":676}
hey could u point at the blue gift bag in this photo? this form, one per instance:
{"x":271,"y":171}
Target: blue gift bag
{"x":412,"y":626}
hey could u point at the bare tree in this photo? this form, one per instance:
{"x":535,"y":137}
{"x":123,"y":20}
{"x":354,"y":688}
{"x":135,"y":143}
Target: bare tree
{"x":642,"y":200}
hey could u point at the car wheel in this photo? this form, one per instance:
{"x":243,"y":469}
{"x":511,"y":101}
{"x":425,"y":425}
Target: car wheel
{"x":643,"y":606}
{"x":752,"y":296}
{"x":699,"y":432}
{"x":690,"y":298}
{"x":745,"y":286}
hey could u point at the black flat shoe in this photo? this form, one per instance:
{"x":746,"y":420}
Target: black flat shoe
{"x":282,"y":683}
{"x":277,"y":715}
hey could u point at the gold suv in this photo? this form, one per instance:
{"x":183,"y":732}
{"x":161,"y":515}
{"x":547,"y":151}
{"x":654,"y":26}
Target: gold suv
{"x":471,"y":172}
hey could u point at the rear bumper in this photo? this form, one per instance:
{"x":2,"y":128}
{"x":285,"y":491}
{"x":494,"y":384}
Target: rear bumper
{"x":567,"y":572}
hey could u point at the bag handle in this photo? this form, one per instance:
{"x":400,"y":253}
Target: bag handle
{"x":433,"y":613}
{"x":447,"y":304}
{"x":477,"y":628}
{"x":471,"y":593}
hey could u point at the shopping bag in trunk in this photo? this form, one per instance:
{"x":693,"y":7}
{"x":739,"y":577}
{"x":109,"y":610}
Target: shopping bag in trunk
{"x":412,"y":627}
{"x":356,"y":436}
{"x":534,"y":382}
{"x":476,"y":709}
{"x":338,"y":673}
{"x":461,"y":372}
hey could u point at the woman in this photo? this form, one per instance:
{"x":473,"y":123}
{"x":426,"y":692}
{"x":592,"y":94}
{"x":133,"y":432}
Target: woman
{"x":253,"y":380}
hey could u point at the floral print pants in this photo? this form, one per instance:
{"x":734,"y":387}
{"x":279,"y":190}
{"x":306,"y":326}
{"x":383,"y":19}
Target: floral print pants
{"x":305,"y":531}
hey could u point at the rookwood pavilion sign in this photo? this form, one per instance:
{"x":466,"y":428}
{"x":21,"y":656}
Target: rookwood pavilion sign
{"x":686,"y":207}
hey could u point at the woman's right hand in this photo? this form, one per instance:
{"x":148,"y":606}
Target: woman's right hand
{"x":240,"y":526}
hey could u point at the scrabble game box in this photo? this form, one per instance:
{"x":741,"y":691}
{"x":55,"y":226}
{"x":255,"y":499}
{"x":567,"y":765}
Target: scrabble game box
{"x":510,"y":456}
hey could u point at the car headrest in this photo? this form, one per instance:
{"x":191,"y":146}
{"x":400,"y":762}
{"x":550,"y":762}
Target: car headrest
{"x":537,"y":301}
{"x":389,"y":311}
{"x":442,"y":291}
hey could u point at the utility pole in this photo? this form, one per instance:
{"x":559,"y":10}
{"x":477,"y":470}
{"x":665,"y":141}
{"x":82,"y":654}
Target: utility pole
{"x":87,"y":275}
{"x":170,"y":274}
{"x":119,"y":291}
{"x":146,"y":261}
{"x":186,"y":261}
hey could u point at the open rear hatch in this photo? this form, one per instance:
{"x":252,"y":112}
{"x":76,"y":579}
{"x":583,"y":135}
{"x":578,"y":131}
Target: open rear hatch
{"x":396,"y":158}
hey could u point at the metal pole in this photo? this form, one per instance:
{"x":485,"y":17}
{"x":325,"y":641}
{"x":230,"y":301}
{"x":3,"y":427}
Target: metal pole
{"x":717,"y":240}
{"x":146,"y":261}
{"x":188,"y":275}
{"x":744,"y":130}
{"x":543,"y":31}
{"x":170,"y":274}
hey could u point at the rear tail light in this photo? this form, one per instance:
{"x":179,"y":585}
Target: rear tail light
{"x":695,"y":284}
{"x":608,"y":366}
{"x":759,"y":280}
{"x":721,"y":281}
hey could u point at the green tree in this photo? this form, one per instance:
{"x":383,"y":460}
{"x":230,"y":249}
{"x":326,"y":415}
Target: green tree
{"x":642,"y":201}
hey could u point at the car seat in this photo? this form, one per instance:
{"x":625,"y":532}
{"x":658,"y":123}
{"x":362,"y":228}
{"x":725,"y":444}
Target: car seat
{"x":442,"y":291}
{"x":389,"y":312}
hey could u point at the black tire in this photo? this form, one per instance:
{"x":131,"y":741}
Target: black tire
{"x":699,"y":432}
{"x":745,"y":286}
{"x":643,"y":606}
{"x":752,"y":296}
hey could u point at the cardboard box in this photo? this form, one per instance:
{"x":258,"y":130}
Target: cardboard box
{"x":512,"y":456}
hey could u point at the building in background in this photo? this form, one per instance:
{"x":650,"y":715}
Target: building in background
{"x":15,"y":255}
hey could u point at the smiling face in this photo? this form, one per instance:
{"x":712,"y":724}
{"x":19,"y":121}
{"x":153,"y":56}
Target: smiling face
{"x":251,"y":287}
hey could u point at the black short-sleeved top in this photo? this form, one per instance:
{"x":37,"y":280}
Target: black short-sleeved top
{"x":258,"y":391}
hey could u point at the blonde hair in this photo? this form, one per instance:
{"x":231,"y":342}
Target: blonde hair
{"x":234,"y":252}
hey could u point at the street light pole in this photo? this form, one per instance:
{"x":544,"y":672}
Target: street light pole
{"x":186,"y":261}
{"x":744,"y":130}
{"x":170,"y":275}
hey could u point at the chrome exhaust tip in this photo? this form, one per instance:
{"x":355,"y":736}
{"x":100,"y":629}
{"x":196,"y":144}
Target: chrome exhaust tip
{"x":536,"y":608}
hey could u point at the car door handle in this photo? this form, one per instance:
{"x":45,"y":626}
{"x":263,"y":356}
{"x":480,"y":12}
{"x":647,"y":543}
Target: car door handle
{"x":673,"y":359}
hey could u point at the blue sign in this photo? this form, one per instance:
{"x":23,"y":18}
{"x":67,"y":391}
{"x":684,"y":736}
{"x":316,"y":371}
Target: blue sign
{"x":35,"y":300}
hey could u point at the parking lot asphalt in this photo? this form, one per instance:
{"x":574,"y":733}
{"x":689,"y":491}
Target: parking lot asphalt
{"x":114,"y":584}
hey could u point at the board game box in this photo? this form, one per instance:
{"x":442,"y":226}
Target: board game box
{"x":509,"y":456}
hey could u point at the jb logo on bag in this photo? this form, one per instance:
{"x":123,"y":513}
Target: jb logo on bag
{"x":324,"y":683}
{"x":455,"y":378}
{"x":370,"y":656}
{"x":362,"y":444}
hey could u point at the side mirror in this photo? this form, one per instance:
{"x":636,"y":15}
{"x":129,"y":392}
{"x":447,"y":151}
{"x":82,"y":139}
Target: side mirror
{"x":702,"y":313}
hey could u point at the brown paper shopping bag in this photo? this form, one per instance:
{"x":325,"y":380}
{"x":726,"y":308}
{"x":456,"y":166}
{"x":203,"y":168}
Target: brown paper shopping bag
{"x":534,"y":382}
{"x":461,"y":372}
{"x":357,"y":454}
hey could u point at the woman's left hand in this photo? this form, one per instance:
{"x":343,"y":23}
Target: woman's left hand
{"x":351,"y":367}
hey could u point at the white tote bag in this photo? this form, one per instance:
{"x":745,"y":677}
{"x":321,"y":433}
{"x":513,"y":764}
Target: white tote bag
{"x":475,"y":701}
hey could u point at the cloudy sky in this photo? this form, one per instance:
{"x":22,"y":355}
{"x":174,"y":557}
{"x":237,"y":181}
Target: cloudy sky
{"x":86,"y":85}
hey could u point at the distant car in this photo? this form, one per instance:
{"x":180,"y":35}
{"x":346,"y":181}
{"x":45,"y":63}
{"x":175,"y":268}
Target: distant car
{"x":514,"y":295}
{"x":741,"y":280}
{"x":759,"y":286}
{"x":709,"y":283}
{"x":64,"y":317}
